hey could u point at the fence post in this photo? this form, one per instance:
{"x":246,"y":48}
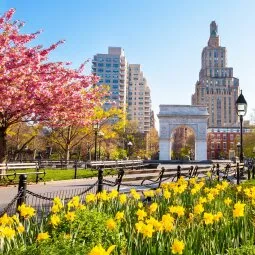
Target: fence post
{"x":178,"y":172}
{"x":119,"y":179}
{"x":22,"y":188}
{"x":161,"y":176}
{"x":37,"y":170}
{"x":100,"y":180}
{"x":237,"y":174}
{"x":75,"y":169}
{"x":218,"y":171}
{"x":249,"y":171}
{"x":253,"y":171}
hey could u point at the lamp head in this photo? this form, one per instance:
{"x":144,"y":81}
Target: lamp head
{"x":130,"y":144}
{"x":96,"y":126}
{"x":241,"y":105}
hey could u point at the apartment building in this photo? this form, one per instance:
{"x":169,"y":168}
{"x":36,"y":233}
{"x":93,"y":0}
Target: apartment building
{"x":112,"y":68}
{"x":139,"y":98}
{"x":128,"y":86}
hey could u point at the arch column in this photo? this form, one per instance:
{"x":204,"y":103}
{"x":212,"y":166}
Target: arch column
{"x":164,"y":149}
{"x":200,"y":150}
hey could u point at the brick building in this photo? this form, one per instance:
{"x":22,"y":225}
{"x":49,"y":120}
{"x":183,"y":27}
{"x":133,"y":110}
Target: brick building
{"x":222,"y":142}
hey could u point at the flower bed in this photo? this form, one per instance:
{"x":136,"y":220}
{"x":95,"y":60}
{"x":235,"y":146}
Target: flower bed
{"x":186,"y":217}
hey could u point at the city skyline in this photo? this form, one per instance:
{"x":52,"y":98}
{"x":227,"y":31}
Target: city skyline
{"x":165,"y":38}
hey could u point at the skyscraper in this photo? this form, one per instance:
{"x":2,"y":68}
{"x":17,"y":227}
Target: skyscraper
{"x":113,"y":71}
{"x":217,"y":87}
{"x":139,"y":98}
{"x":128,"y":86}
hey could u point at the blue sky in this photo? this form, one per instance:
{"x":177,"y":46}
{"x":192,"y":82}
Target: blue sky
{"x":166,"y":37}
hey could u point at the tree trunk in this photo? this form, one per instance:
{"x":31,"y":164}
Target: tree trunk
{"x":3,"y":148}
{"x":67,"y":150}
{"x":3,"y":145}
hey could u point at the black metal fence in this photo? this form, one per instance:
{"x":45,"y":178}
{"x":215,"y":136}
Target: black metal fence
{"x":42,"y":202}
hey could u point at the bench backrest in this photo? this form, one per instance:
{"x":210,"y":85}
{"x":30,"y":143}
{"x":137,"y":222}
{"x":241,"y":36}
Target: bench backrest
{"x":128,"y":176}
{"x":115,"y":164}
{"x":16,"y":166}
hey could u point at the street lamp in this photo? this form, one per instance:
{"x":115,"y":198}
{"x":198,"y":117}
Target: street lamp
{"x":129,"y":144}
{"x":96,"y":128}
{"x":241,"y":109}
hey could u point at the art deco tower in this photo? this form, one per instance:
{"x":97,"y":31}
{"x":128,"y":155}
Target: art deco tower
{"x":217,"y":87}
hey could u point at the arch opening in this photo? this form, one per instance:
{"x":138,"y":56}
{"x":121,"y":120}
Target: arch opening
{"x":182,"y":143}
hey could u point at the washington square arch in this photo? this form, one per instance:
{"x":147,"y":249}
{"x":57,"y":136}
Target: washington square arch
{"x":174,"y":116}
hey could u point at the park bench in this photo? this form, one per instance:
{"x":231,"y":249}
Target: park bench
{"x":229,"y":171}
{"x":118,"y":164}
{"x":152,"y":178}
{"x":9,"y":171}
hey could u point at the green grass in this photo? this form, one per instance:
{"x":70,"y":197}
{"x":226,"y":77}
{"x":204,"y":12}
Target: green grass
{"x":55,"y":175}
{"x":249,"y":183}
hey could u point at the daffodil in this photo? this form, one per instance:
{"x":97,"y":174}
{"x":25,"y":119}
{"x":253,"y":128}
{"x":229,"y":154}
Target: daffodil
{"x":54,"y":220}
{"x":26,"y":211}
{"x":70,"y":216}
{"x":99,"y":250}
{"x":119,"y":216}
{"x":208,"y":218}
{"x":238,"y":210}
{"x":43,"y":236}
{"x":111,"y":224}
{"x":198,"y":209}
{"x":177,"y":246}
{"x":141,"y":214}
{"x":227,"y":201}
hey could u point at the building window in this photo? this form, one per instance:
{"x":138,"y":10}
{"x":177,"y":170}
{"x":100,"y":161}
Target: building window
{"x":115,"y":65}
{"x":107,"y":81}
{"x":108,"y":65}
{"x":115,"y":81}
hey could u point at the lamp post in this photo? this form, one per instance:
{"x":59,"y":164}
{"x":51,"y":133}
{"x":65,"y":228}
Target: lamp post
{"x":100,"y":136}
{"x":241,"y":109}
{"x":129,"y":144}
{"x":238,"y":145}
{"x":96,"y":128}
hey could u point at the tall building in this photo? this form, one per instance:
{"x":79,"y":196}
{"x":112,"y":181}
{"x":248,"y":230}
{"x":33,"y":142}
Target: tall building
{"x":139,"y":98}
{"x":128,"y":86}
{"x":113,"y":71}
{"x":217,"y":87}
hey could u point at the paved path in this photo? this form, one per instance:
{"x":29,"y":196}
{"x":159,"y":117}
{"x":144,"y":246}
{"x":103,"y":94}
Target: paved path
{"x":8,"y":193}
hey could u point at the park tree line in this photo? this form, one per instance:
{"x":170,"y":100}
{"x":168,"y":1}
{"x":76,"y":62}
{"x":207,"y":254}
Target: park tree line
{"x":49,"y":108}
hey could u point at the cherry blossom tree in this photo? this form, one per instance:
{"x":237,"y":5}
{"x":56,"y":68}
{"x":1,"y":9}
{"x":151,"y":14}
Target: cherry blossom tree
{"x":34,"y":89}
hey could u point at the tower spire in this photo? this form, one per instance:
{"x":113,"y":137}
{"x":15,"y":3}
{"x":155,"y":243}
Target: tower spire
{"x":214,"y":40}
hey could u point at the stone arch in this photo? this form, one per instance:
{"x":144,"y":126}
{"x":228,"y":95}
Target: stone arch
{"x":172,"y":116}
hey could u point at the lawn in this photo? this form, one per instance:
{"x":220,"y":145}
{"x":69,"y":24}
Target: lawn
{"x":57,"y":174}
